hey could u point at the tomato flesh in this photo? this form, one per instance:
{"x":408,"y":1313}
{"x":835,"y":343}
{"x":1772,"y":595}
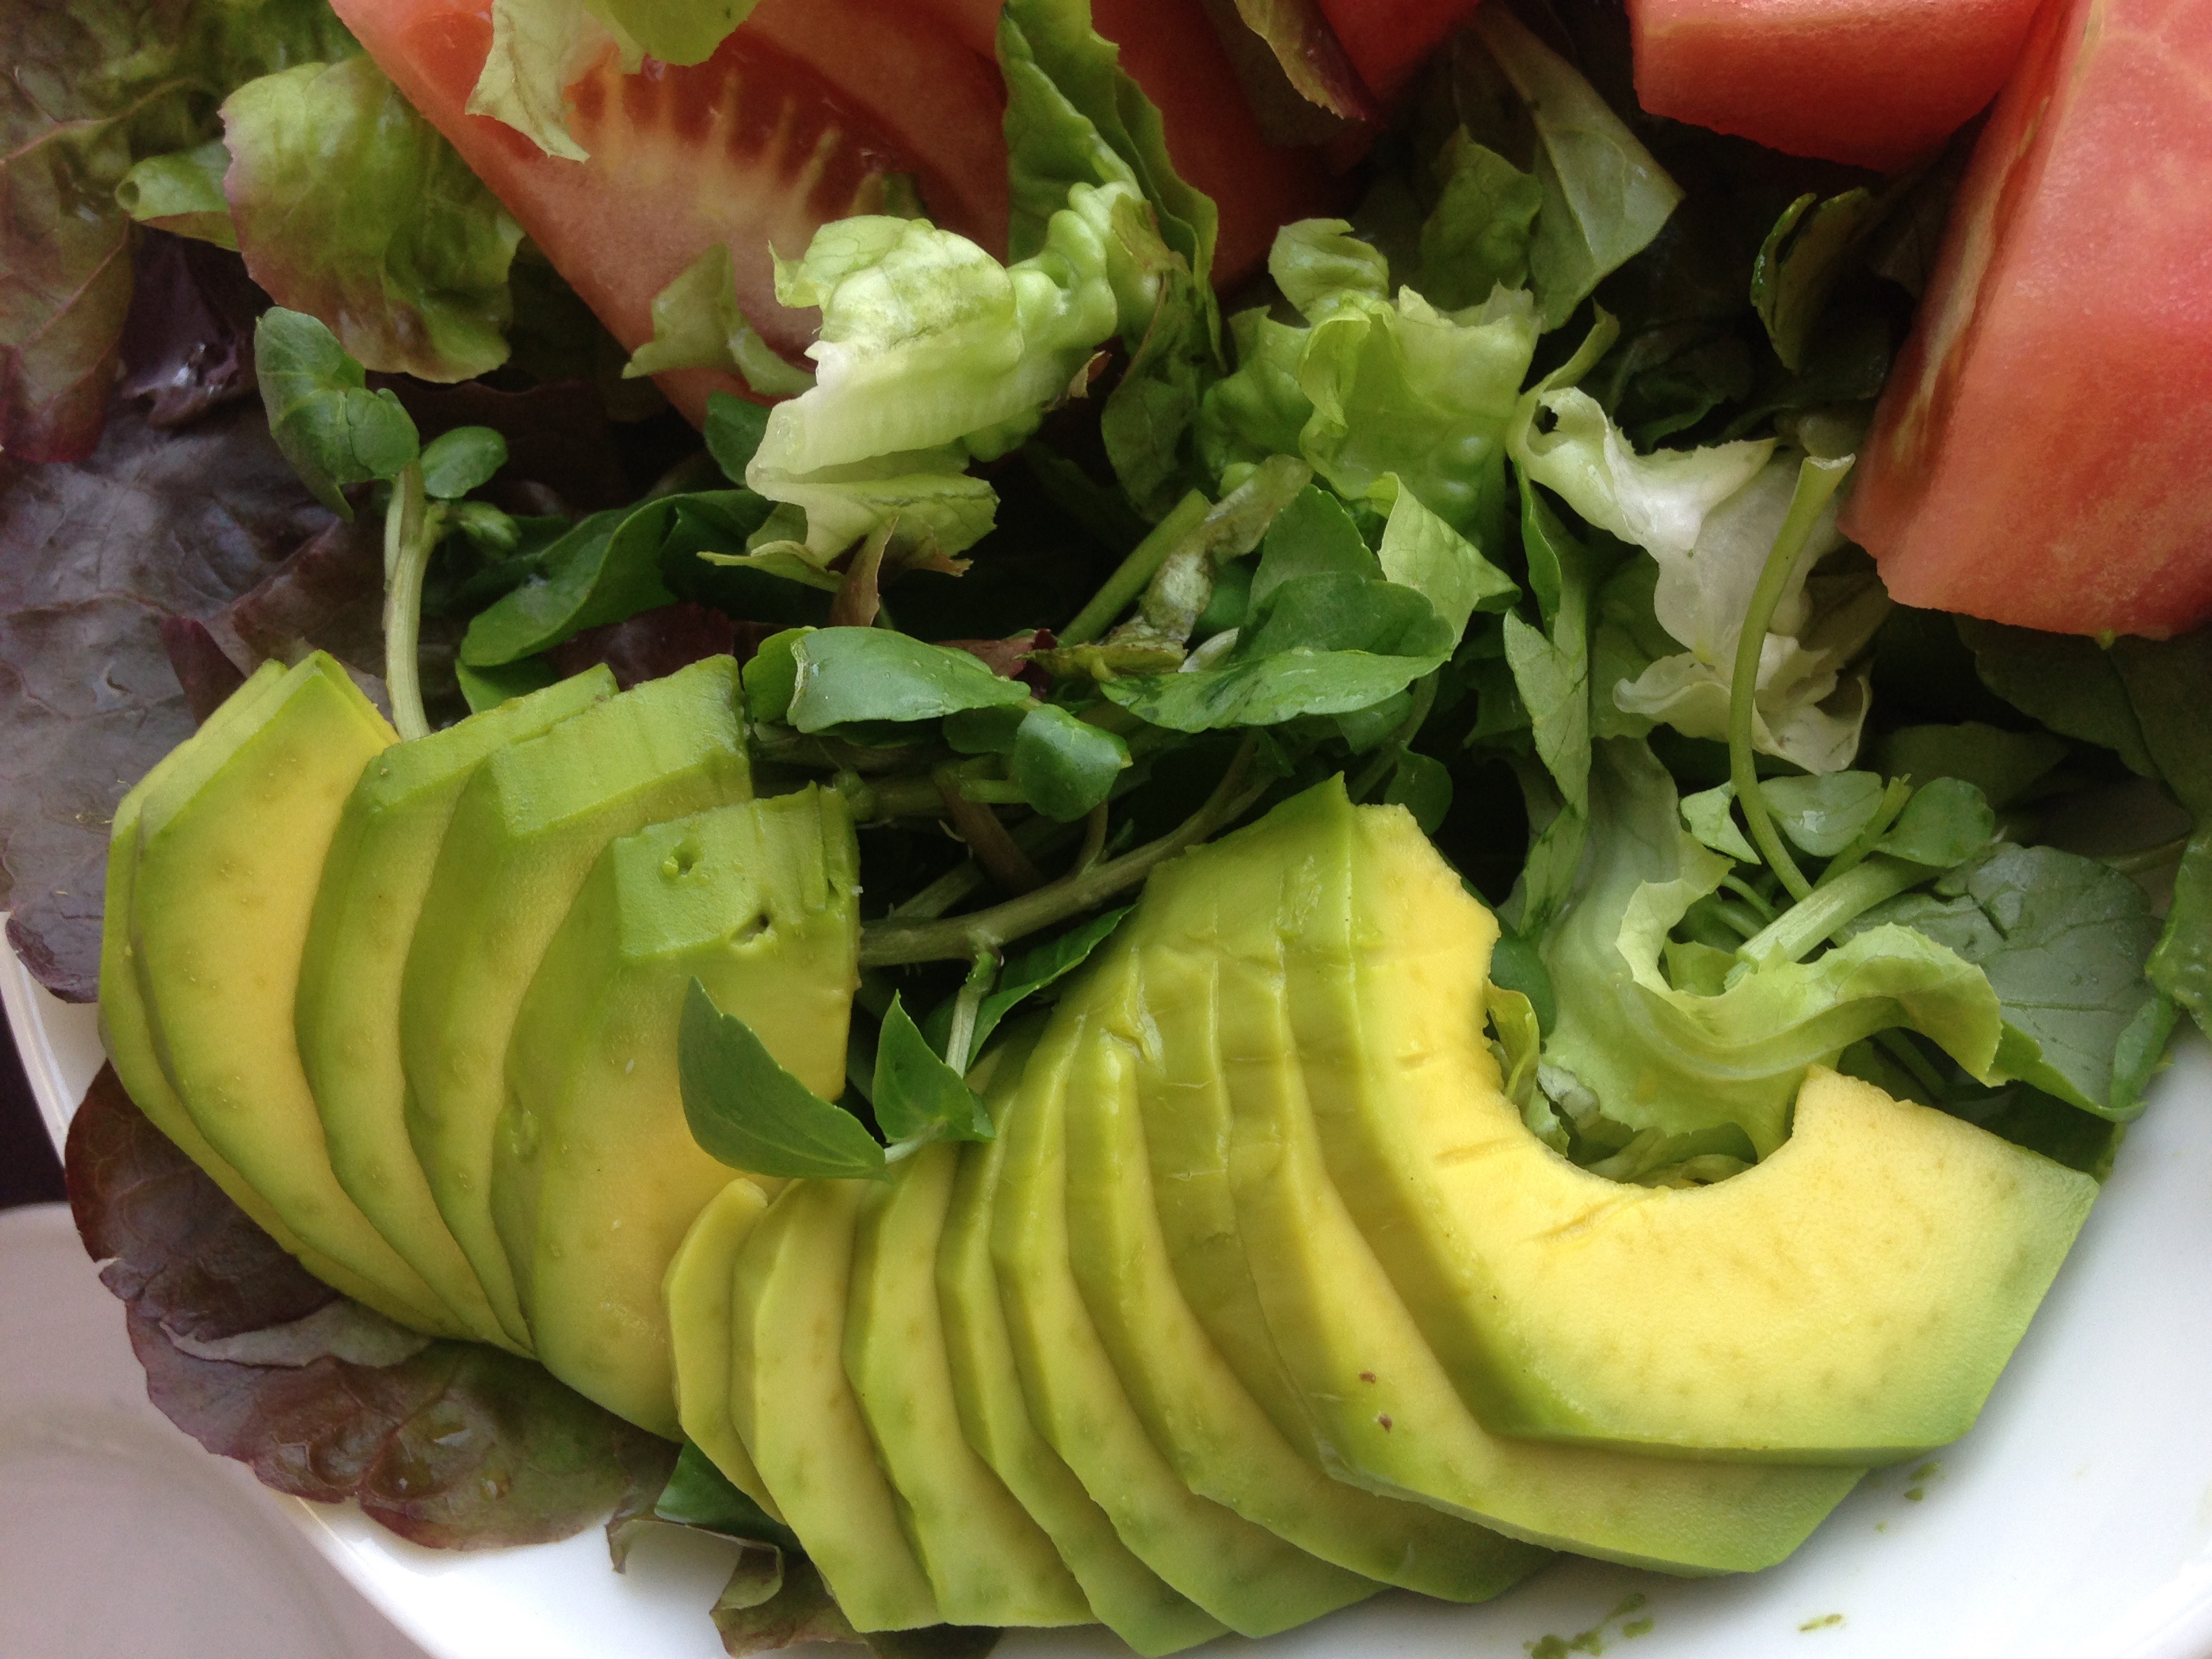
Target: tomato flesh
{"x":2040,"y":456}
{"x":1879,"y":83}
{"x":1388,"y":40}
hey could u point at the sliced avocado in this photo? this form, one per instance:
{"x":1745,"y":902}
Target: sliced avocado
{"x":1128,"y":1596}
{"x":1221,"y":1443}
{"x":523,"y":835}
{"x":129,"y":1040}
{"x":348,"y":1017}
{"x":1851,"y":1299}
{"x":1243,"y":1575}
{"x":231,"y":844}
{"x":698,"y":1291}
{"x":595,"y":1174}
{"x":988,"y":1562}
{"x":795,"y":1410}
{"x":1389,"y":1415}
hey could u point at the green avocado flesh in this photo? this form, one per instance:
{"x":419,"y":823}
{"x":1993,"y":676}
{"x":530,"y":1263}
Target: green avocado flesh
{"x":595,"y":1176}
{"x":1245,"y":1577}
{"x":698,"y":1290}
{"x":987,"y":1561}
{"x":1222,"y":1445}
{"x":1128,"y":1596}
{"x":795,"y":1409}
{"x":525,"y":833}
{"x":348,"y":1019}
{"x":230,"y":847}
{"x":1387,"y":1415}
{"x":1850,"y":1300}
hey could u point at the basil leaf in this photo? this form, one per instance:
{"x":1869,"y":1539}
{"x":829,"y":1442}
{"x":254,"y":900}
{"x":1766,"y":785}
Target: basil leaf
{"x":747,"y":1111}
{"x":915,"y":1094}
{"x":330,"y":426}
{"x":1035,"y":969}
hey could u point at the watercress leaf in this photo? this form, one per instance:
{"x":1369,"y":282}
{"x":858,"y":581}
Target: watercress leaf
{"x":734,"y":428}
{"x":1811,"y":248}
{"x":2003,"y":765}
{"x":771,"y":678}
{"x":746,"y":1110}
{"x":330,"y":426}
{"x":1823,"y":815}
{"x":1478,"y":235}
{"x":1037,"y":968}
{"x":915,"y":1094}
{"x":1313,"y":535}
{"x":1712,"y":819}
{"x":1947,"y":821}
{"x":1419,"y":550}
{"x":350,"y":205}
{"x":1065,"y":766}
{"x":460,"y":460}
{"x":1266,"y":691}
{"x":1421,"y":785}
{"x":1342,"y":613}
{"x":985,"y":731}
{"x":700,"y":1495}
{"x":487,"y":688}
{"x":2063,"y":940}
{"x":1604,"y":196}
{"x":845,"y":675}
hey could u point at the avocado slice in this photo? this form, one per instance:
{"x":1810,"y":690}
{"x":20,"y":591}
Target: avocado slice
{"x":523,"y":835}
{"x":595,"y":1176}
{"x":698,"y":1290}
{"x":348,"y":1015}
{"x":129,"y":1040}
{"x":988,"y":1562}
{"x":231,"y":845}
{"x":1851,"y":1299}
{"x":1388,"y":1410}
{"x":1128,"y":1596}
{"x":795,"y":1410}
{"x":1243,"y":1575}
{"x":1221,"y":1443}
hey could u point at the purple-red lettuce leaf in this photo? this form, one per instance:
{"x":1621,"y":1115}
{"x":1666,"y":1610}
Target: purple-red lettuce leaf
{"x":187,"y":345}
{"x":452,"y":1445}
{"x":1312,"y":58}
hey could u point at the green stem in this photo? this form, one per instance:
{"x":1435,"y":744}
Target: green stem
{"x":1907,"y":1052}
{"x":1893,"y":799}
{"x":411,"y":530}
{"x":1129,"y":578}
{"x":1817,"y":481}
{"x":965,"y":1007}
{"x":887,"y":942}
{"x":1744,"y":890}
{"x":1794,"y":934}
{"x":1036,"y":836}
{"x":1395,"y":747}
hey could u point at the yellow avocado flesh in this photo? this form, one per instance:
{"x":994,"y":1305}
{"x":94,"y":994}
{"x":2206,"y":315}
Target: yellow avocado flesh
{"x":1851,"y":1299}
{"x":231,"y":846}
{"x":129,"y":1040}
{"x":1126,"y":1597}
{"x":348,"y":1016}
{"x":1222,"y":1445}
{"x":987,"y":1561}
{"x":595,"y":1176}
{"x":1244,"y":1576}
{"x":795,"y":1410}
{"x":523,"y":835}
{"x":1388,"y":1415}
{"x":698,"y":1292}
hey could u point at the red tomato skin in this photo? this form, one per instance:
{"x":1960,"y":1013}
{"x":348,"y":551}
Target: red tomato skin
{"x":2040,"y":456}
{"x":1878,"y":83}
{"x":1388,"y":40}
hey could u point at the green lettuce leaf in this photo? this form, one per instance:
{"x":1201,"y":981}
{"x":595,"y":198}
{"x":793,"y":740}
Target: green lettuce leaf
{"x":349,"y":205}
{"x":1685,"y":1061}
{"x":1479,"y":234}
{"x":182,"y":192}
{"x":696,"y":324}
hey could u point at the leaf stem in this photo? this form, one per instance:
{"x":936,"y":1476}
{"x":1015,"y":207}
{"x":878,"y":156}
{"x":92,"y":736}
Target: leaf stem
{"x":411,"y":530}
{"x":887,"y":942}
{"x":1130,"y":576}
{"x":1828,"y":908}
{"x":987,"y":838}
{"x":1817,"y":481}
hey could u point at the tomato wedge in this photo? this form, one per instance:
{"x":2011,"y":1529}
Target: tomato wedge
{"x":2039,"y":455}
{"x":1388,"y":40}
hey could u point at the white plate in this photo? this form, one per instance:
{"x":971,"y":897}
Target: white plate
{"x":2074,"y":1522}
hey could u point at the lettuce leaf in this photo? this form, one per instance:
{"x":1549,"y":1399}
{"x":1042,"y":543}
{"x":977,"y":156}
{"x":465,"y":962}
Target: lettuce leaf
{"x":1688,"y":1061}
{"x":1313,"y":59}
{"x":450,"y":1445}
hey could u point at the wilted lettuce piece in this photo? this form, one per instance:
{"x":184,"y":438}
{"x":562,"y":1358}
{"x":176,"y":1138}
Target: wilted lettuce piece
{"x":352,"y":207}
{"x":1604,"y":197}
{"x":697,"y":323}
{"x":182,"y":192}
{"x":456,"y":1446}
{"x":1685,"y":1061}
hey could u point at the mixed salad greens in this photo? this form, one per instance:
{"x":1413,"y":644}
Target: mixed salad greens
{"x":1510,"y":497}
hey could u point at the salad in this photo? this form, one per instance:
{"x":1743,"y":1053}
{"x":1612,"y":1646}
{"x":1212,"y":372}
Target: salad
{"x":1010,"y":813}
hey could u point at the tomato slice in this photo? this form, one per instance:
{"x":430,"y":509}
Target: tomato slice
{"x":1879,"y":83}
{"x":2038,"y":457}
{"x":1388,"y":40}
